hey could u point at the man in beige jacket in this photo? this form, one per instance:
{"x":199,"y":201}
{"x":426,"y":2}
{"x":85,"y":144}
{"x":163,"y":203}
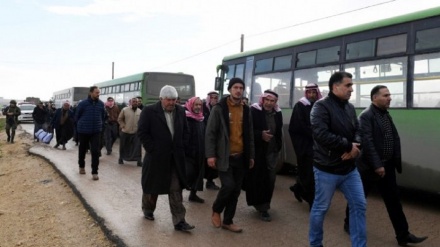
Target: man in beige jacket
{"x":130,"y":148}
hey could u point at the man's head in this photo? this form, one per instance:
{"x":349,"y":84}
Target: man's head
{"x":312,"y":92}
{"x":134,"y":103}
{"x":139,"y":100}
{"x":269,"y":100}
{"x":341,"y":85}
{"x":110,"y":102}
{"x":381,"y":97}
{"x":236,"y":88}
{"x":40,"y":104}
{"x":66,"y":105}
{"x":194,"y":105}
{"x":168,"y":96}
{"x":13,"y":103}
{"x":94,"y":92}
{"x":212,"y":98}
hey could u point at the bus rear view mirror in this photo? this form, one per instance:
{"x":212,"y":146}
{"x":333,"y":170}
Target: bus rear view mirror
{"x":218,"y":84}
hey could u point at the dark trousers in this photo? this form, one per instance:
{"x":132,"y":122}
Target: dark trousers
{"x":389,"y":191}
{"x":178,"y":211}
{"x":210,"y":174}
{"x":306,"y":177}
{"x":110,"y":135}
{"x":227,"y":197}
{"x":93,"y":141}
{"x":61,"y":135}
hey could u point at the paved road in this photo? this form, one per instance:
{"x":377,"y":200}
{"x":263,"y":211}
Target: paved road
{"x":115,"y":200}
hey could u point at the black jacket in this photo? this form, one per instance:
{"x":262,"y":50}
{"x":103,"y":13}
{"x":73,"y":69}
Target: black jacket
{"x":335,"y":127}
{"x":40,"y":115}
{"x":162,"y":149}
{"x":300,"y":129}
{"x":371,"y":132}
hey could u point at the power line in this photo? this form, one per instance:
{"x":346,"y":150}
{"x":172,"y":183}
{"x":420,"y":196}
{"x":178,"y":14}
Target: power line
{"x":274,"y":30}
{"x":320,"y":19}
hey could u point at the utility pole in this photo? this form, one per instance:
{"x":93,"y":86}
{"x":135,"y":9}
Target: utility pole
{"x":242,"y":43}
{"x":113,"y":70}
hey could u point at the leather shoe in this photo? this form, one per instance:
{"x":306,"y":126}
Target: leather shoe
{"x":120,"y":161}
{"x":265,"y":216}
{"x":296,"y":192}
{"x":195,"y":198}
{"x":82,"y":170}
{"x":149,"y":216}
{"x":411,"y":239}
{"x":347,"y":228}
{"x":232,"y":228}
{"x":210,"y":185}
{"x":183,"y":226}
{"x":216,"y":219}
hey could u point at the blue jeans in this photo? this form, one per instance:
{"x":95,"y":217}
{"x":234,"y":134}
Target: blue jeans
{"x":325,"y":187}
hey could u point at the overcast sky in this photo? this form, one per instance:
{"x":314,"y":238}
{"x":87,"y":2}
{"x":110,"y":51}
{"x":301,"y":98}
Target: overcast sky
{"x":50,"y":45}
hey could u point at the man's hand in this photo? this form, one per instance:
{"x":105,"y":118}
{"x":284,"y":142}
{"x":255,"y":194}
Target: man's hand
{"x":353,"y":153}
{"x":266,"y":136}
{"x":380,"y":171}
{"x":211,"y":162}
{"x":251,"y":163}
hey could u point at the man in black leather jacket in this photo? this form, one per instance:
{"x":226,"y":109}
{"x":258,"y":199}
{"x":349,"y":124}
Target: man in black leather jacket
{"x":381,"y":158}
{"x":336,"y":145}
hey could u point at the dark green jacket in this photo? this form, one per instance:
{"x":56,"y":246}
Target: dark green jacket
{"x":217,"y":135}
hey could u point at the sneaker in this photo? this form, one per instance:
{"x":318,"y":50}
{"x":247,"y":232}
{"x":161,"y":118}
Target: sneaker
{"x":82,"y":170}
{"x":195,"y":198}
{"x":183,"y":226}
{"x":95,"y":177}
{"x":149,"y":216}
{"x":210,"y":185}
{"x":265,"y":216}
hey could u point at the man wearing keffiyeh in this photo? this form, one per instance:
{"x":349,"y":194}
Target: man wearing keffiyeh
{"x":260,"y":181}
{"x":195,"y":151}
{"x":210,"y":174}
{"x":300,"y":131}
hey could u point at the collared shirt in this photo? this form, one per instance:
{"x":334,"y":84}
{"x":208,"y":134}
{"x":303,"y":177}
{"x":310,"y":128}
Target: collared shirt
{"x":388,"y":141}
{"x":169,"y":116}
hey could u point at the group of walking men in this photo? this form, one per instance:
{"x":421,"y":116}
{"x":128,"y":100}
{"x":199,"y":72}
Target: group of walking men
{"x":242,"y":143}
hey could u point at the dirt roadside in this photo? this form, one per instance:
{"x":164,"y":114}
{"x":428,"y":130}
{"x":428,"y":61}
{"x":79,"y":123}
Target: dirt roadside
{"x":37,"y":206}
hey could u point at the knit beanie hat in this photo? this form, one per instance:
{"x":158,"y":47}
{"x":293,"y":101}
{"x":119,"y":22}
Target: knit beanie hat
{"x":233,"y":81}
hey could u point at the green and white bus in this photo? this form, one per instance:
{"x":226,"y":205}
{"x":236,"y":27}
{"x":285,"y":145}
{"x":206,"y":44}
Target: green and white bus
{"x":147,"y":85}
{"x":402,"y":53}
